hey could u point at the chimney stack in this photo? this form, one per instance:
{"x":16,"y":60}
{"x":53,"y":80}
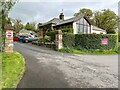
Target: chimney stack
{"x":61,"y":16}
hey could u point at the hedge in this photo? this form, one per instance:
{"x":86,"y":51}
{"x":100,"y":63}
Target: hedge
{"x":90,"y":41}
{"x":68,"y":40}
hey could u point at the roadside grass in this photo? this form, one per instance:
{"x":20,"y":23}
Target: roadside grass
{"x":13,"y":67}
{"x":84,"y":51}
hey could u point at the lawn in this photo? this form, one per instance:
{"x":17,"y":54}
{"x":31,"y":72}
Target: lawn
{"x":13,"y":66}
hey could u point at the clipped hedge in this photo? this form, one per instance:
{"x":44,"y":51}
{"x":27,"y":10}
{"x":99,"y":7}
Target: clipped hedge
{"x":68,"y":40}
{"x":90,"y":41}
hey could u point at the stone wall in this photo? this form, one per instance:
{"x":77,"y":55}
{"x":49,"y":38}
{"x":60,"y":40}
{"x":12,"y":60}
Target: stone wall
{"x":9,"y":39}
{"x":59,"y":39}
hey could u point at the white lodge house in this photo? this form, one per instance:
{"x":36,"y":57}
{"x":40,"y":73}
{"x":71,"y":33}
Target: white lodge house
{"x":79,"y":24}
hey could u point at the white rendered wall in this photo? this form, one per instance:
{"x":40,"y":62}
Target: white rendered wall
{"x":75,"y":31}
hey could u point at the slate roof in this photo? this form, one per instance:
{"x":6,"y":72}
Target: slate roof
{"x":69,"y":20}
{"x":54,"y":20}
{"x":58,"y":22}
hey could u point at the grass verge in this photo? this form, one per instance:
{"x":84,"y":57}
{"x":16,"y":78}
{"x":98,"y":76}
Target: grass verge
{"x":84,"y":51}
{"x":13,"y":67}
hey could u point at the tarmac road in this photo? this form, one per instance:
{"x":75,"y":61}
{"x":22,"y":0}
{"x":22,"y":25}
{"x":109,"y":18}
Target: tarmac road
{"x":46,"y":68}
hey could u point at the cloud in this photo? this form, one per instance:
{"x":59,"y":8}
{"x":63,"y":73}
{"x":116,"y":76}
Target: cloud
{"x":42,"y":11}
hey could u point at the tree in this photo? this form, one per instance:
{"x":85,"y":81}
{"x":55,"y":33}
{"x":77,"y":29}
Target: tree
{"x":34,"y":28}
{"x":17,"y":25}
{"x":28,"y":26}
{"x":86,"y":12}
{"x":31,"y":26}
{"x":6,"y":7}
{"x":107,"y":20}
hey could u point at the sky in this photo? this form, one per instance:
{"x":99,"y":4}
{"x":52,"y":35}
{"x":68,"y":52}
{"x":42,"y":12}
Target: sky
{"x":41,"y":11}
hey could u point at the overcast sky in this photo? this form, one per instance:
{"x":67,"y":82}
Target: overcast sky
{"x":44,"y":10}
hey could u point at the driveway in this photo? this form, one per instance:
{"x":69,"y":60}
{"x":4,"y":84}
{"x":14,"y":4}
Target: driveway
{"x":46,"y":68}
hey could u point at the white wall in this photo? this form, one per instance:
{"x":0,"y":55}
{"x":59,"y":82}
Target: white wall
{"x":97,"y":32}
{"x":92,"y":31}
{"x":76,"y":28}
{"x":75,"y":31}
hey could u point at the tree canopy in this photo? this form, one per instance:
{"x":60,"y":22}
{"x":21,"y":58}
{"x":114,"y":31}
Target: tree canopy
{"x":105,"y":19}
{"x":6,"y":6}
{"x":17,"y":25}
{"x":31,"y":26}
{"x":87,"y":12}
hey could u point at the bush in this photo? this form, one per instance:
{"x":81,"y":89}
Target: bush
{"x":90,"y":42}
{"x":52,"y":35}
{"x":67,"y":30}
{"x":40,"y":40}
{"x":47,"y":38}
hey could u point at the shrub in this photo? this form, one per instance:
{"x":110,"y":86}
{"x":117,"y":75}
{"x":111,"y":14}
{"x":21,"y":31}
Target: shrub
{"x":40,"y":40}
{"x":52,"y":35}
{"x":47,"y":38}
{"x":67,"y":30}
{"x":90,"y":42}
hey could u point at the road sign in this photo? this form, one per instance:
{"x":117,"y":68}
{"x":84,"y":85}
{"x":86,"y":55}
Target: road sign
{"x":104,"y":41}
{"x":9,"y":34}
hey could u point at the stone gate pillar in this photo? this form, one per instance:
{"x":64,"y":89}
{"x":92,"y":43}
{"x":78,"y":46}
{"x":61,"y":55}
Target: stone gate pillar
{"x":9,"y":38}
{"x":59,"y":39}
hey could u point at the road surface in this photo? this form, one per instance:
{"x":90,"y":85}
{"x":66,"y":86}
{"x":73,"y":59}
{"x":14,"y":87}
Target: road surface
{"x":46,"y":68}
